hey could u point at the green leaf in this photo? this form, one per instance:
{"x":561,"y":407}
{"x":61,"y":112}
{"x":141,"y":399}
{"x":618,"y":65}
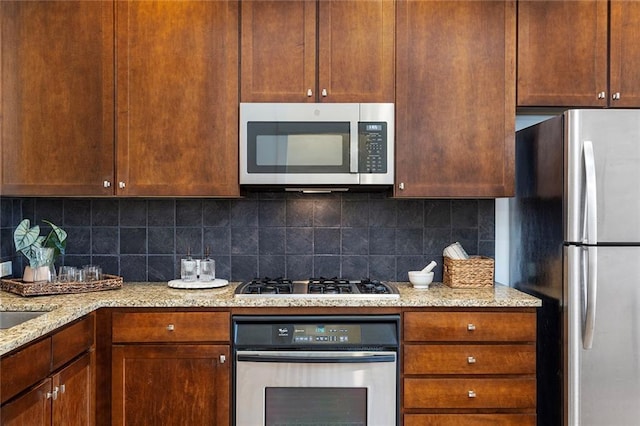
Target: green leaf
{"x":24,"y":236}
{"x":57,"y":239}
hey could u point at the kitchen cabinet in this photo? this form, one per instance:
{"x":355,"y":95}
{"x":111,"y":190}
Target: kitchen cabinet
{"x":57,"y":98}
{"x":50,"y":382}
{"x":177,"y":98}
{"x":455,"y":99}
{"x":143,"y":103}
{"x":578,"y":54}
{"x":325,"y":51}
{"x":469,"y":367}
{"x":170,"y":368}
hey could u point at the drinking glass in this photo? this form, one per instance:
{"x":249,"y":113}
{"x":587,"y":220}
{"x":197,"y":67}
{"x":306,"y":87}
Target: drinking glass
{"x":188,"y":270}
{"x":207,"y":270}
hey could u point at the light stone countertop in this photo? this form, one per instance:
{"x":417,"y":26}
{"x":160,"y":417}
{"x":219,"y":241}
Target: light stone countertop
{"x":62,"y":309}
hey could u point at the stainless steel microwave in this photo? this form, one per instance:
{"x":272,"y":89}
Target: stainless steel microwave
{"x":316,"y":144}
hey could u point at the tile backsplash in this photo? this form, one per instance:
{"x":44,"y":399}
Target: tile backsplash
{"x":352,"y":235}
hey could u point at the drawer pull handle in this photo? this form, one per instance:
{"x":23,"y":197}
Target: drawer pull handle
{"x":471,"y":327}
{"x":171,"y":327}
{"x":223,"y":359}
{"x":54,"y":394}
{"x":472,"y":394}
{"x":62,"y":388}
{"x":471,"y":360}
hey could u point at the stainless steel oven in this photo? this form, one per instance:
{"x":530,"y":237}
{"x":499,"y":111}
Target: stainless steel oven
{"x":316,"y":370}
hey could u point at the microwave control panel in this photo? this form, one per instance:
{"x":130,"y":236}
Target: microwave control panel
{"x":372,"y":147}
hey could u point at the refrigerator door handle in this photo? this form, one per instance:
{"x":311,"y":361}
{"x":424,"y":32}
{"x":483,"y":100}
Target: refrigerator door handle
{"x":590,"y":279}
{"x":590,"y":224}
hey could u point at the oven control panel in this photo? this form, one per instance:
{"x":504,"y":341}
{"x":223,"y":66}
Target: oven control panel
{"x":317,"y":334}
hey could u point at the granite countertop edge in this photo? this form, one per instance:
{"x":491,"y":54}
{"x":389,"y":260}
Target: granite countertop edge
{"x":63,"y":309}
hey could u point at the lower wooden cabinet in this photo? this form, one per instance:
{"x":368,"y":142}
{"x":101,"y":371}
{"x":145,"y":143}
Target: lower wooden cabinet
{"x":170,"y":368}
{"x":469,"y":367}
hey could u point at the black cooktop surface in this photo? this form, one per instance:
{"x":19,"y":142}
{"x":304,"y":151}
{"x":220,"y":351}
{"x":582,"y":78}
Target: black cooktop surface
{"x":316,"y":287}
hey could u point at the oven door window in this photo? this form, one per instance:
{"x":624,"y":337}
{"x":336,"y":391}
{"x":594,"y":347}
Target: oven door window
{"x":298,"y":147}
{"x":313,"y":406}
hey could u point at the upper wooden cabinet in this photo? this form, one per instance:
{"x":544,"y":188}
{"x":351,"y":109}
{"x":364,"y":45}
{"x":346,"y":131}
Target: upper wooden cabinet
{"x":455,"y":98}
{"x":57,"y":98}
{"x":325,"y":51}
{"x":177,"y":98}
{"x":563,"y":58}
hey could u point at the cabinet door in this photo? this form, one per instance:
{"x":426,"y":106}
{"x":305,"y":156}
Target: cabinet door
{"x":73,"y":405}
{"x":170,"y":384}
{"x":57,"y":98}
{"x":624,"y":54}
{"x":356,"y":51}
{"x":177,"y":104}
{"x":455,"y":100}
{"x":278,"y":51}
{"x":562,"y":53}
{"x":32,"y":408}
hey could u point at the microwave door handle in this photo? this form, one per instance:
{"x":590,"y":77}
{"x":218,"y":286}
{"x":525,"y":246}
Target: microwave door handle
{"x":353,"y":148}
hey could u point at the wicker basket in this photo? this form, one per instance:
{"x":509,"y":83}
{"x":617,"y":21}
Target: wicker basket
{"x":475,"y":272}
{"x":42,"y":288}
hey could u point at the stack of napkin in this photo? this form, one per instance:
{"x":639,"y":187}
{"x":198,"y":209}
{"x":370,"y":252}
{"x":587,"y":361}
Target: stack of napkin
{"x":456,"y":252}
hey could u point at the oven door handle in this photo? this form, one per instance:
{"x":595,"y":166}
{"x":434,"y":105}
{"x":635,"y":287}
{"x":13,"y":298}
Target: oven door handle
{"x":312,"y":359}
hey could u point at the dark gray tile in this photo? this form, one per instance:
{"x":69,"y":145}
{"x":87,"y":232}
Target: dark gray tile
{"x":271,"y":266}
{"x":244,"y":213}
{"x":215,"y":212}
{"x":6,"y":243}
{"x":50,"y":209}
{"x":162,"y":213}
{"x":487,"y":248}
{"x":133,"y":268}
{"x":355,"y":241}
{"x":486,"y":219}
{"x":105,"y":212}
{"x":244,"y":241}
{"x":382,"y":268}
{"x":271,"y":241}
{"x":355,"y":267}
{"x":133,"y":212}
{"x":78,"y":239}
{"x":437,"y":213}
{"x":410,"y":213}
{"x":326,"y":266}
{"x":382,"y":240}
{"x":105,"y":240}
{"x":299,"y":241}
{"x":223,"y":267}
{"x":299,"y":212}
{"x":133,"y":240}
{"x":6,"y":213}
{"x":409,"y":241}
{"x":326,"y":212}
{"x":404,"y":264}
{"x":189,"y":240}
{"x":189,"y":213}
{"x":299,"y":267}
{"x":77,"y":212}
{"x":271,"y":213}
{"x":383,"y":213}
{"x":244,"y":268}
{"x":109,"y":264}
{"x":218,"y":240}
{"x":75,"y":260}
{"x":161,"y":268}
{"x":464,"y":213}
{"x":161,"y":240}
{"x":355,"y":213}
{"x":468,"y":237}
{"x":326,"y":241}
{"x":436,"y":239}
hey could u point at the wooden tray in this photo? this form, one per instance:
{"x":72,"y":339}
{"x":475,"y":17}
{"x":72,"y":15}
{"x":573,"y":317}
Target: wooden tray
{"x":42,"y":288}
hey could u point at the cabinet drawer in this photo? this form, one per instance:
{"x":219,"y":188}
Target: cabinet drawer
{"x":470,"y":419}
{"x":170,"y":326}
{"x":469,"y":359}
{"x":24,"y":368}
{"x":470,"y":393}
{"x":470,"y":326}
{"x":72,"y":340}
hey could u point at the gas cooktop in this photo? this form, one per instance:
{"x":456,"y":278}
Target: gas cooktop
{"x":316,"y":287}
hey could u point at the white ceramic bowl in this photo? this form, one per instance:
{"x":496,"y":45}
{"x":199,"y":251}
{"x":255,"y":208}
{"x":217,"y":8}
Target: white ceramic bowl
{"x":420,"y":279}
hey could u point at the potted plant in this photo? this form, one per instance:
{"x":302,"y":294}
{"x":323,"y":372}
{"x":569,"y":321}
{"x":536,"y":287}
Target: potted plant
{"x":40,"y":250}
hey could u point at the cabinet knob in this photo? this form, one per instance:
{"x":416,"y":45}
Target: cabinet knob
{"x":602,"y":95}
{"x":471,"y":360}
{"x":616,"y":96}
{"x":324,"y":93}
{"x":53,"y":394}
{"x":472,"y":394}
{"x":121,"y":185}
{"x":471,"y":327}
{"x":62,"y":388}
{"x":401,"y":185}
{"x":106,"y":184}
{"x":309,"y":93}
{"x":223,"y":359}
{"x":171,"y":327}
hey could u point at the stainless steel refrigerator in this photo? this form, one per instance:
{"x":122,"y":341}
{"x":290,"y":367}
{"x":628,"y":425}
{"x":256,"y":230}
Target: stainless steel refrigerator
{"x":574,"y":241}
